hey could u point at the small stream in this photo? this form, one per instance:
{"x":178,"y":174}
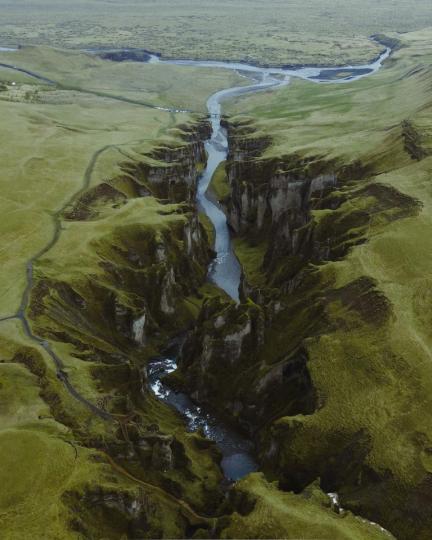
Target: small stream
{"x":237,"y":451}
{"x":225,"y":270}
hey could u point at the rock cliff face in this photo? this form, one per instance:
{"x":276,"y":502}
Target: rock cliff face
{"x":222,"y":366}
{"x":273,"y":199}
{"x":171,"y":173}
{"x":141,"y":277}
{"x":142,"y":271}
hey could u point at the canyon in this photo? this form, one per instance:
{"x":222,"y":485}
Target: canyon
{"x":255,"y":316}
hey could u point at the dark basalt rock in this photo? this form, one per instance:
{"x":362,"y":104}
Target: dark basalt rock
{"x":126,"y":55}
{"x":413,"y":142}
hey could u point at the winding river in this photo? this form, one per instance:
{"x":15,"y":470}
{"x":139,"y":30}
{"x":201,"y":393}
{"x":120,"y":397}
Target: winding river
{"x":225,"y":271}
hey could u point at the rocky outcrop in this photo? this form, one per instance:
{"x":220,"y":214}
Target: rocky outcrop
{"x":223,"y":336}
{"x":273,"y":199}
{"x":148,"y":446}
{"x":103,"y":511}
{"x":168,"y":172}
{"x":222,"y":364}
{"x":171,"y":172}
{"x":144,"y":277}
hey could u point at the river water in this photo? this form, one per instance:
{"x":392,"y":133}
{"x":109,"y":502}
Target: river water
{"x":237,"y":451}
{"x":225,"y":271}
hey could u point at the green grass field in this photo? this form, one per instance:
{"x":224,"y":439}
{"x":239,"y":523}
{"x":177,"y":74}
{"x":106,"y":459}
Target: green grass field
{"x":281,"y":32}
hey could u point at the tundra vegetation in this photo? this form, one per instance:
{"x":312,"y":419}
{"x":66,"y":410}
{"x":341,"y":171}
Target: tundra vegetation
{"x":326,"y":362}
{"x":272,"y":32}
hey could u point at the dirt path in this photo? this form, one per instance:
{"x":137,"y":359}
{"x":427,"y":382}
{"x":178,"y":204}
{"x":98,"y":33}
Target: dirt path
{"x":180,"y":502}
{"x":21,"y":313}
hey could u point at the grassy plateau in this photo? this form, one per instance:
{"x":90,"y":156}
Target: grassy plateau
{"x":273,"y":32}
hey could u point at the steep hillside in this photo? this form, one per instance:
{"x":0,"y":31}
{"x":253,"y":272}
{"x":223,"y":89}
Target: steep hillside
{"x":98,"y":233}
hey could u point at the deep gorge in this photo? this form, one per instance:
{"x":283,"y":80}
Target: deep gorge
{"x":133,"y":307}
{"x":248,"y":359}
